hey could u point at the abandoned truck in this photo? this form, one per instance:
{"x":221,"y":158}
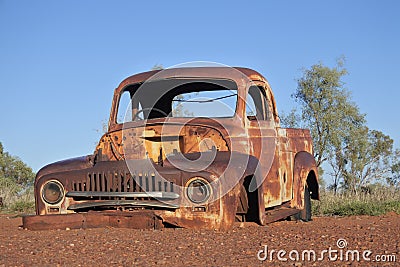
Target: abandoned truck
{"x":193,"y":147}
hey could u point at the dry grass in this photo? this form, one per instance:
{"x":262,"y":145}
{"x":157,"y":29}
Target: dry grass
{"x":379,"y":201}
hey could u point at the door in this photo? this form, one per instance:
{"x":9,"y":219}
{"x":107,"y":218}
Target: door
{"x":265,"y":144}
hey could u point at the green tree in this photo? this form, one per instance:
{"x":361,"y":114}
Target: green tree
{"x":357,"y":155}
{"x":290,"y":120}
{"x":394,"y":179}
{"x":16,"y":181}
{"x":326,"y":108}
{"x":368,"y":157}
{"x":14,"y":170}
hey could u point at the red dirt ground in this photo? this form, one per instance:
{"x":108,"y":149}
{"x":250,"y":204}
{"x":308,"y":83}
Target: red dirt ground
{"x":185,"y":247}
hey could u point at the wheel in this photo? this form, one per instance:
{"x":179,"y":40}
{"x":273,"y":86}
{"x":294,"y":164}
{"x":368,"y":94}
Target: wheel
{"x":252,"y":214}
{"x":305,"y":213}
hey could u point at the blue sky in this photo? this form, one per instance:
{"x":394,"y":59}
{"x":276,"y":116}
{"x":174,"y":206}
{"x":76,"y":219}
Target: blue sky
{"x":61,"y":60}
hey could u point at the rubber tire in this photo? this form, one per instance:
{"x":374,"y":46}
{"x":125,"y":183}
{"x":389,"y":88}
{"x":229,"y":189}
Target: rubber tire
{"x":305,"y":214}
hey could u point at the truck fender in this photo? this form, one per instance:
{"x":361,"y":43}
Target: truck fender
{"x":304,"y":173}
{"x":253,"y":170}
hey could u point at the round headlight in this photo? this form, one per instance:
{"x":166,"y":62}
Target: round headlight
{"x":198,"y":190}
{"x":52,"y":192}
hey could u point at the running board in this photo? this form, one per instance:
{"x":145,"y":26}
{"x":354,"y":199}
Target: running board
{"x":279,"y":213}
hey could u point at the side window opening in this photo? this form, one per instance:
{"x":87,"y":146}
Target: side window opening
{"x":124,"y":108}
{"x":256,"y":104}
{"x":129,"y":109}
{"x":251,"y":111}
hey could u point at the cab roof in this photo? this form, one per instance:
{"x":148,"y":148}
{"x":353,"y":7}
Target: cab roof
{"x":194,"y":72}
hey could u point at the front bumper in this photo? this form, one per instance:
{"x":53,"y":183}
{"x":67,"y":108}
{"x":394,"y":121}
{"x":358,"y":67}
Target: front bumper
{"x":145,"y":219}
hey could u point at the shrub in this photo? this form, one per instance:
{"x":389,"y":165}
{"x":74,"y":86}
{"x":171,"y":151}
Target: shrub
{"x":17,"y":200}
{"x":23,"y":206}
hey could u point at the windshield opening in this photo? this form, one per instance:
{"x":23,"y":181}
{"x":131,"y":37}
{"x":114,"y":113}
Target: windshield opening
{"x":178,"y":98}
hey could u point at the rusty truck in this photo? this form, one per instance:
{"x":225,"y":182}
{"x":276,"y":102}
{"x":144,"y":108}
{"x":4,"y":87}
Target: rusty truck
{"x":190,"y":147}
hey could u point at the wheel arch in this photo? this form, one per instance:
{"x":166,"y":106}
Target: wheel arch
{"x":252,"y":184}
{"x":304,"y":173}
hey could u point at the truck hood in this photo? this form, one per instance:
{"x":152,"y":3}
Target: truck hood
{"x":157,"y":140}
{"x":66,"y":165}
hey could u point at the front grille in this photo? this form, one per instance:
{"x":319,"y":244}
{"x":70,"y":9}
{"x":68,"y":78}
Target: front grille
{"x":123,"y":182}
